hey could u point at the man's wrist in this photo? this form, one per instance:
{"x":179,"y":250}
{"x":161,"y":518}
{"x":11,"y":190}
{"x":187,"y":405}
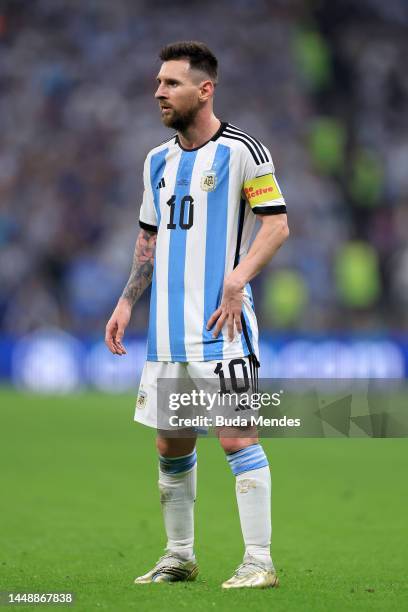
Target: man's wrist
{"x":125,"y":301}
{"x":235,"y":281}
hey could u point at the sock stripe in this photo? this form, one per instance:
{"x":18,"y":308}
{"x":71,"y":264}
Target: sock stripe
{"x":246,"y":459}
{"x":177,"y":465}
{"x":255,"y":454}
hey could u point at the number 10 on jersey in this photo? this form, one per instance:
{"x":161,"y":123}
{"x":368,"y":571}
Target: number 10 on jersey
{"x":186,"y":217}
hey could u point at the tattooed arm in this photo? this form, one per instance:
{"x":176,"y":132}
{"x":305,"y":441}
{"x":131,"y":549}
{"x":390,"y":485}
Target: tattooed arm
{"x":142,"y":268}
{"x":140,"y":278}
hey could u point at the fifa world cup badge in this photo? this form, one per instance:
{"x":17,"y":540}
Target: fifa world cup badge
{"x":208,"y":181}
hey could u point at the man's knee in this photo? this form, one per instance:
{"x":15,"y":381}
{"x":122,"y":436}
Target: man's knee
{"x":233,"y":439}
{"x":174,"y":447}
{"x":233,"y":445}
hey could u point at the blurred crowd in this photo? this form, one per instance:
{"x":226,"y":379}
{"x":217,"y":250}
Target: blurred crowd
{"x":323,"y":84}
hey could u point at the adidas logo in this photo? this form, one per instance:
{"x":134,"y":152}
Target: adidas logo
{"x":161,"y":184}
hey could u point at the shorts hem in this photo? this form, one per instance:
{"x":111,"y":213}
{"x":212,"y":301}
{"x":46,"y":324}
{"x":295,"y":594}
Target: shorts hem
{"x":145,"y":422}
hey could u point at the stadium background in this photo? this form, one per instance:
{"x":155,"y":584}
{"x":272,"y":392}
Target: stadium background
{"x":324,"y":85}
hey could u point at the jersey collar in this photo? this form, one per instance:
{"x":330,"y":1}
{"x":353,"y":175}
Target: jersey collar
{"x":215,"y":137}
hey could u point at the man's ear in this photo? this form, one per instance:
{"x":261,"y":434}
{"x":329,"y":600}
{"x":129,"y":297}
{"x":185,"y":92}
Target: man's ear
{"x":206,"y":90}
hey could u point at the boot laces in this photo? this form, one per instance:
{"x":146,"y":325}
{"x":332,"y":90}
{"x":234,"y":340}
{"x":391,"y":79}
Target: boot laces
{"x":249,"y":566}
{"x":168,"y":560}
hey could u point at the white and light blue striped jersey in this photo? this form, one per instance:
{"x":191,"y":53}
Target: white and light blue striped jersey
{"x":203,"y":204}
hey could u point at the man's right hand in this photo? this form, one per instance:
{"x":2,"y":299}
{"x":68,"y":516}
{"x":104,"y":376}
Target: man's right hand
{"x":115,"y":328}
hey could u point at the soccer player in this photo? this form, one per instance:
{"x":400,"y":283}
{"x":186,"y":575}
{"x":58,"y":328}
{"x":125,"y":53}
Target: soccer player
{"x":203,"y":190}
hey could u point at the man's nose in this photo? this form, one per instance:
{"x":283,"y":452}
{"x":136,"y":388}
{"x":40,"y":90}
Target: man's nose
{"x":160,"y":92}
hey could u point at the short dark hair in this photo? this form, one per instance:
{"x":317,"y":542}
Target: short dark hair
{"x":197,"y":53}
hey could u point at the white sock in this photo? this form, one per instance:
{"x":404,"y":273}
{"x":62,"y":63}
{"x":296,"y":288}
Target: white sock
{"x":253,"y":490}
{"x":178,"y":488}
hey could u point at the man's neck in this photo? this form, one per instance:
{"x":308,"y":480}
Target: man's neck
{"x":200,"y":132}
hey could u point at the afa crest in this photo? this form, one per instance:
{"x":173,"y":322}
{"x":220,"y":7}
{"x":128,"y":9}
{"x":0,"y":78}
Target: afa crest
{"x":208,"y":181}
{"x":141,"y":399}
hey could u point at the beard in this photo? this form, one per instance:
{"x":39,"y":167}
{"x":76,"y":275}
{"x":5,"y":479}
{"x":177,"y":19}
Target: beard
{"x":179,"y":120}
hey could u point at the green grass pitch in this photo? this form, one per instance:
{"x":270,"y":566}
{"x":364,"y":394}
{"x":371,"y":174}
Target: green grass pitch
{"x":80,"y":512}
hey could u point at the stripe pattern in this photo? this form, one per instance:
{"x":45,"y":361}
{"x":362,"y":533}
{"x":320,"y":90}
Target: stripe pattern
{"x":204,"y":227}
{"x":259,"y":153}
{"x":157,"y":165}
{"x":177,"y":257}
{"x":215,"y":252}
{"x":247,"y":459}
{"x":174,"y":574}
{"x":178,"y":465}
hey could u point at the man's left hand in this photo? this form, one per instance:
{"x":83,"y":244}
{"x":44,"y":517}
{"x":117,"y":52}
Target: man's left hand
{"x":229,"y":311}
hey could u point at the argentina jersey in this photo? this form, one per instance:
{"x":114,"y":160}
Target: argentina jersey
{"x":203,"y":204}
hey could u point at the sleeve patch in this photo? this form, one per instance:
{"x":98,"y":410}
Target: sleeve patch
{"x":261,"y":189}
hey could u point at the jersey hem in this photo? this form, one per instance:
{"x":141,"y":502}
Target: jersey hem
{"x":183,"y":359}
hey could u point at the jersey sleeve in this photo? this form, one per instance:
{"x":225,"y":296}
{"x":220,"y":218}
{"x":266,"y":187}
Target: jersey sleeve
{"x":148,"y":214}
{"x":260,"y":187}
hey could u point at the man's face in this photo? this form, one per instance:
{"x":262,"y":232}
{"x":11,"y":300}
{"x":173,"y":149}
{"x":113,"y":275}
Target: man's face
{"x":178,"y":93}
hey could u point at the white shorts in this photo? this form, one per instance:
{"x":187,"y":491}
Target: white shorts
{"x":229,"y":375}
